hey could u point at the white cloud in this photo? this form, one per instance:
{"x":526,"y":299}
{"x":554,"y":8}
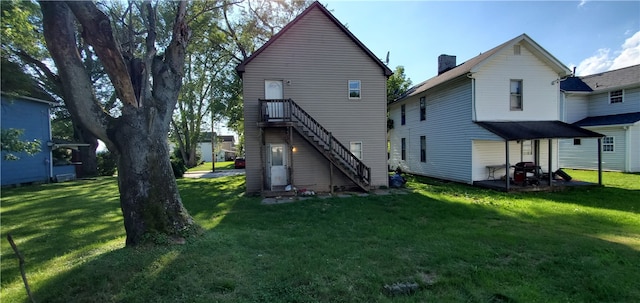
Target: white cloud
{"x":605,"y":60}
{"x":582,"y":3}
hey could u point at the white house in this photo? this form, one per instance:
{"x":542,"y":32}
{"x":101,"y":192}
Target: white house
{"x":473,"y":121}
{"x":608,"y":103}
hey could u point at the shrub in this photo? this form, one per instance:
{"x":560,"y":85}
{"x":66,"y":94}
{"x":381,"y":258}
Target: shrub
{"x":177,"y":164}
{"x":107,"y":163}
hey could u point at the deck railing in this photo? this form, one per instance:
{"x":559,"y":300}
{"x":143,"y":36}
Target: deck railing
{"x":286,"y":110}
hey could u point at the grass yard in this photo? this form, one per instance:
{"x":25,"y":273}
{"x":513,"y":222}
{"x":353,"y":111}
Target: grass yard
{"x":457,"y":243}
{"x":206,"y":166}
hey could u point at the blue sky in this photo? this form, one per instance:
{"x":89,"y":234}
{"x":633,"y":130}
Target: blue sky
{"x":594,"y":36}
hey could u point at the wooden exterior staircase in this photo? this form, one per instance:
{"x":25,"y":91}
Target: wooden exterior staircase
{"x":286,"y":113}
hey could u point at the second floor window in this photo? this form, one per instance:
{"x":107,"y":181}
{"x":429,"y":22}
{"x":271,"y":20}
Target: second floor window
{"x":423,"y":108}
{"x":615,"y":96}
{"x":402,"y":114}
{"x":516,"y":95}
{"x":354,"y":89}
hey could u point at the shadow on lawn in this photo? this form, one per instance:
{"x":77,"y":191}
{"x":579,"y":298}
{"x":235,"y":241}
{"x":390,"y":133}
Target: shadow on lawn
{"x":346,"y":250}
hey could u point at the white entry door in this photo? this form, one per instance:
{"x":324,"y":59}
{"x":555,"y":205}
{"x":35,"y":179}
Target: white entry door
{"x":278,"y":165}
{"x":273,"y":90}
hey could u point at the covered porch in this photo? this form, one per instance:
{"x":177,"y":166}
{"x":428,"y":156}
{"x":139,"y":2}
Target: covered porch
{"x":531,"y":176}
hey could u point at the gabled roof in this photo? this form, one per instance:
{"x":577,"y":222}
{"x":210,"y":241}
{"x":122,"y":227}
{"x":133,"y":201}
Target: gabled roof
{"x":620,"y":119}
{"x":615,"y":79}
{"x":315,"y":5}
{"x":474,"y":64}
{"x":530,"y":130}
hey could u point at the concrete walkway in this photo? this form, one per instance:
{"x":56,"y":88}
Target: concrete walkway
{"x":217,"y":174}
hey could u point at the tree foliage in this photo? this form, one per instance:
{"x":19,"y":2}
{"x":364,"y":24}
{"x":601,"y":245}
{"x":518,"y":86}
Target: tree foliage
{"x":212,"y":90}
{"x":397,"y":84}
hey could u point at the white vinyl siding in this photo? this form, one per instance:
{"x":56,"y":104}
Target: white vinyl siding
{"x":585,"y":155}
{"x":576,"y":108}
{"x":540,"y":96}
{"x":493,"y":153}
{"x":599,"y":103}
{"x":316,"y":44}
{"x":448,"y":129}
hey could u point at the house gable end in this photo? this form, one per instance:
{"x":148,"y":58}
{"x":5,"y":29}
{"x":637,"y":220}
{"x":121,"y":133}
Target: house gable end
{"x":315,"y":6}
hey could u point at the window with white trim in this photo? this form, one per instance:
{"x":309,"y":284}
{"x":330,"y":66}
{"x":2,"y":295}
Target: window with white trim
{"x":608,"y":144}
{"x":423,"y":149}
{"x":423,"y":108}
{"x":515,"y":95}
{"x":354,"y":89}
{"x":403,"y":116}
{"x":577,"y":141}
{"x":356,"y":149}
{"x":403,"y":149}
{"x":616,"y":96}
{"x":526,"y":148}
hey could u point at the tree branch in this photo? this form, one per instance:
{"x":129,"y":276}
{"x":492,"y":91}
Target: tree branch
{"x":96,"y":30}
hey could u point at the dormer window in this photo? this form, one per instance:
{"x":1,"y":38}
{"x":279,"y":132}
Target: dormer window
{"x":616,"y":96}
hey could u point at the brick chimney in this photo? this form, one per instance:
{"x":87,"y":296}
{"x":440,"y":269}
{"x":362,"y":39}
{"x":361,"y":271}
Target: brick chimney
{"x":445,"y":63}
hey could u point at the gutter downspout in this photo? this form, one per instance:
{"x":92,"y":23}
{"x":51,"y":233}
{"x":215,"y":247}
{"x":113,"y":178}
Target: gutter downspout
{"x":627,"y":140}
{"x":474,"y":116}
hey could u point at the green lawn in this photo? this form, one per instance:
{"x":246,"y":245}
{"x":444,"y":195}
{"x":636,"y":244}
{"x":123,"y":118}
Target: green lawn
{"x":458,"y":243}
{"x":206,"y":166}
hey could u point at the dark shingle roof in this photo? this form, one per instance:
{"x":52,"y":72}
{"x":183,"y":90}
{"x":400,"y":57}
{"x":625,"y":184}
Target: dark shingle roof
{"x":529,"y":130}
{"x":621,"y":119}
{"x":574,"y":84}
{"x":614,"y":79}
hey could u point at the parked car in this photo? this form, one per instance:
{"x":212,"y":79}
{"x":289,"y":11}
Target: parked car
{"x":239,"y":163}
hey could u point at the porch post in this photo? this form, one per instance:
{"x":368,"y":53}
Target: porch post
{"x":506,"y":149}
{"x":550,"y":166}
{"x":291,"y":146}
{"x":599,"y":161}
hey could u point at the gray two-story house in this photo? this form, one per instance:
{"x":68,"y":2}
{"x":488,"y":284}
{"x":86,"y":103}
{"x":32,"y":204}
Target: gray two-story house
{"x":314,"y":109}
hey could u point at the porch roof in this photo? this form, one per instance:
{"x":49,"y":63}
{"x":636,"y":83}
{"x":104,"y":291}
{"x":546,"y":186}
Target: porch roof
{"x":529,"y":130}
{"x":620,"y":119}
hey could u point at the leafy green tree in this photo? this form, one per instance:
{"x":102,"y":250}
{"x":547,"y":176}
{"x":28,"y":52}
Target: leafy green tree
{"x":212,"y":90}
{"x":397,"y":84}
{"x":25,"y":53}
{"x":146,"y":73}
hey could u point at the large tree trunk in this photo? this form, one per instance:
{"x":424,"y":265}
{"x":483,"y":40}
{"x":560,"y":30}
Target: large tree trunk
{"x":148,"y":191}
{"x":88,"y":157}
{"x":149,"y":195}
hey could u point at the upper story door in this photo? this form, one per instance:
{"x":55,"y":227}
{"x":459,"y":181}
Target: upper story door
{"x":273,"y":89}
